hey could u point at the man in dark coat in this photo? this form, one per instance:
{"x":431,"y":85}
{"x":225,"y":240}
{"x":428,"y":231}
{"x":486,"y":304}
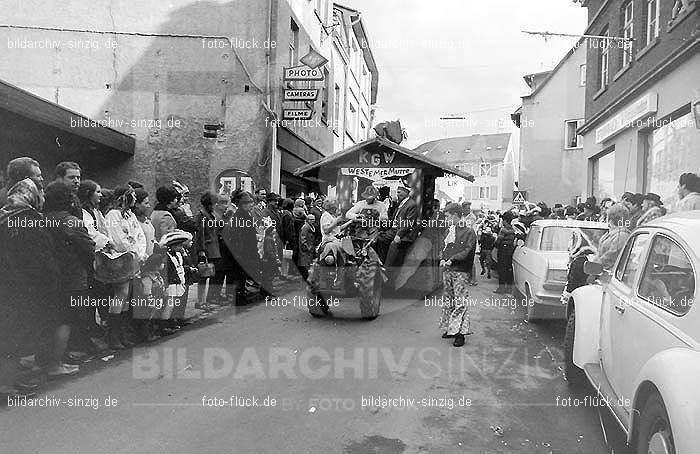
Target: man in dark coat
{"x":239,"y":235}
{"x":403,"y":227}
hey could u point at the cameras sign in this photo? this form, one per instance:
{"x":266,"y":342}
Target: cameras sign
{"x":301,"y":94}
{"x":303,"y":72}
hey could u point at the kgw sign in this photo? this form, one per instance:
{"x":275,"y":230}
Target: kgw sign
{"x":375,"y":159}
{"x":310,"y":94}
{"x":303,"y":73}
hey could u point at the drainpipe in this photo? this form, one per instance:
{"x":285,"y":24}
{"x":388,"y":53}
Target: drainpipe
{"x":274,"y":179}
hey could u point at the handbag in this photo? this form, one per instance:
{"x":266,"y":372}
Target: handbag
{"x":112,"y":268}
{"x":206,"y":269}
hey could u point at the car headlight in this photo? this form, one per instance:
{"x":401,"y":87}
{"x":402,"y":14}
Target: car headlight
{"x":557,"y":275}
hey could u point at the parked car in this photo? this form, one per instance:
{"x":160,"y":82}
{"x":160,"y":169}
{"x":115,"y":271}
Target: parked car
{"x":540,"y":265}
{"x":635,"y":336}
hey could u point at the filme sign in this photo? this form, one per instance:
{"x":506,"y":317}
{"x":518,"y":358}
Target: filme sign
{"x":297,"y":114}
{"x":309,"y":94}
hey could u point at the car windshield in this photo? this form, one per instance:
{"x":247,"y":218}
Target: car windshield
{"x":556,"y":239}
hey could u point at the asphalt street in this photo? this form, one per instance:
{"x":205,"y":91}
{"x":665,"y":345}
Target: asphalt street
{"x":269,"y":378}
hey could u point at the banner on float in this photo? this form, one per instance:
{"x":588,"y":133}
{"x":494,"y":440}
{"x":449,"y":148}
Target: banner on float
{"x":377,"y":173}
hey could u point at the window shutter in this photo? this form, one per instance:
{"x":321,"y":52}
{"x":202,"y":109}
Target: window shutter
{"x":494,"y":192}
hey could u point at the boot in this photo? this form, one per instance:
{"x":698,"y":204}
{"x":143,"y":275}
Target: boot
{"x":459,"y":340}
{"x":125,"y":332}
{"x":114,"y":327}
{"x":501,"y":289}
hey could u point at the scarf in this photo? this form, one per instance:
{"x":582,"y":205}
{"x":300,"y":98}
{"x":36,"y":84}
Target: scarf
{"x":25,"y":195}
{"x":580,"y":244}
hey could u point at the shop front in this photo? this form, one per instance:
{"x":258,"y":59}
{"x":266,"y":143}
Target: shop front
{"x":647,"y":144}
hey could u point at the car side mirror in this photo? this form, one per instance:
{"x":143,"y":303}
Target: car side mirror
{"x":593,"y":268}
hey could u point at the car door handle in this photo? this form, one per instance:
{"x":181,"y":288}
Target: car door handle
{"x":620,"y":309}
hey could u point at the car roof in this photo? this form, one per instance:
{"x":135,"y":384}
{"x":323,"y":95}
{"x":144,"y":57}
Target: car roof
{"x":570,"y":223}
{"x":685,"y":224}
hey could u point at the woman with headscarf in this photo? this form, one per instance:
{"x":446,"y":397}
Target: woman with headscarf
{"x":29,"y":283}
{"x":125,"y":231}
{"x":580,"y":248}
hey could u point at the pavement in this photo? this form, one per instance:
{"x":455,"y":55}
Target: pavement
{"x":269,"y":378}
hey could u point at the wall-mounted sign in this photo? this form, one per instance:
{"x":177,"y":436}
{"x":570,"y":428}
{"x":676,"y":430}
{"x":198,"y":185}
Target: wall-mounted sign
{"x":309,"y":94}
{"x":313,"y":59}
{"x":519,"y":197}
{"x":232,"y":179}
{"x":303,"y":72}
{"x":377,"y":173}
{"x":630,"y":116}
{"x":297,"y":114}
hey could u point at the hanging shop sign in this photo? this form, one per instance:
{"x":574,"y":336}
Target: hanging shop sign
{"x":313,"y":59}
{"x":297,"y":114}
{"x":630,"y":116}
{"x":309,"y":94}
{"x":377,"y":173}
{"x":303,"y":72}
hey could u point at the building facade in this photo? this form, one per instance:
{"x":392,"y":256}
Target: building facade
{"x":642,"y":118}
{"x":551,"y":151}
{"x":489,"y":157}
{"x":355,"y":79}
{"x":198,"y":86}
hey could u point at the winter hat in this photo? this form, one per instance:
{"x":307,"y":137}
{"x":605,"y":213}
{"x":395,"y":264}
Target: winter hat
{"x":175,"y":238}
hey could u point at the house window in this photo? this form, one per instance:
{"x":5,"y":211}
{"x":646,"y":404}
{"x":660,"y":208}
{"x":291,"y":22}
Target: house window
{"x":582,"y":75}
{"x":604,"y":59}
{"x":336,"y":108}
{"x":571,"y":139}
{"x":484,"y":192}
{"x":484,"y":169}
{"x":494,"y":193}
{"x":652,"y":21}
{"x":603,"y":176}
{"x":352,"y":124}
{"x":324,"y":96}
{"x":679,"y":6}
{"x":627,"y":32}
{"x":293,"y":43}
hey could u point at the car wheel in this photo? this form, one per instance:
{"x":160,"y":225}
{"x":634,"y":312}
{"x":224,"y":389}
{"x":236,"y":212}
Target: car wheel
{"x":654,"y":433}
{"x":531,"y":316}
{"x":574,"y":374}
{"x":370,"y":301}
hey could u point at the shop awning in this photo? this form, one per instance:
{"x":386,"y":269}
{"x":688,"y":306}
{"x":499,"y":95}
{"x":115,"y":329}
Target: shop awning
{"x":376,"y":152}
{"x":21,"y":102}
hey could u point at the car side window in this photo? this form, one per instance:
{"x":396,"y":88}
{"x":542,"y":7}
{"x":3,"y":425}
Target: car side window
{"x":533,"y":238}
{"x":668,"y":280}
{"x":633,"y":263}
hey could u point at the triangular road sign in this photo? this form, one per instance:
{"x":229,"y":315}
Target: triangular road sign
{"x":518,"y":197}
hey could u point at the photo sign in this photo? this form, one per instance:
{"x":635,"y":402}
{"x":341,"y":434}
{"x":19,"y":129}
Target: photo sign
{"x":303,"y":72}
